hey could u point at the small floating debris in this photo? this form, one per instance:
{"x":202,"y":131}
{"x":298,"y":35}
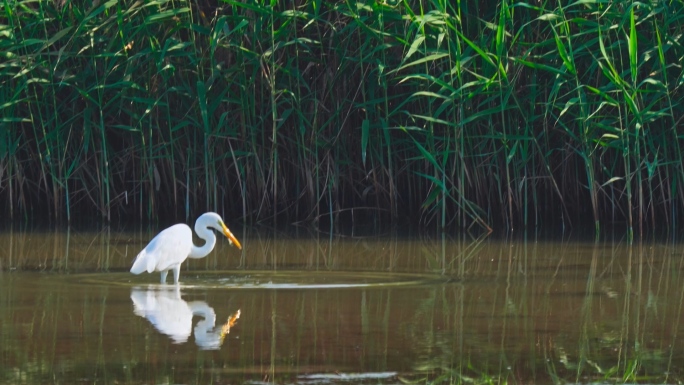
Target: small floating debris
{"x":333,"y":378}
{"x":326,"y":377}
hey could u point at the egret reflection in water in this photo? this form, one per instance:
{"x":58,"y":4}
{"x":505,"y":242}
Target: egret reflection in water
{"x":171,"y":315}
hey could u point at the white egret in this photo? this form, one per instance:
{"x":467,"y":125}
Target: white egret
{"x":174,"y":245}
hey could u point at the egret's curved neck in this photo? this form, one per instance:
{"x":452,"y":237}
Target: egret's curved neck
{"x":206,"y":234}
{"x":205,"y":337}
{"x":200,"y":308}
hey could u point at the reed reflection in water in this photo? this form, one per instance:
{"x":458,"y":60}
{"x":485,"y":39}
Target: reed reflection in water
{"x":514,"y":311}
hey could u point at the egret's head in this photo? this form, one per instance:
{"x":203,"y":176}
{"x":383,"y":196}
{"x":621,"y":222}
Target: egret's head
{"x":214,"y":220}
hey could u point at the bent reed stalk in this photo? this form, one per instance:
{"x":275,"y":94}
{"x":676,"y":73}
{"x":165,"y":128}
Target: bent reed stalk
{"x":509,"y":113}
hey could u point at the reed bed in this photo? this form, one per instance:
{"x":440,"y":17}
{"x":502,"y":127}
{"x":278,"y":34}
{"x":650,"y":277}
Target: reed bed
{"x":508,"y":114}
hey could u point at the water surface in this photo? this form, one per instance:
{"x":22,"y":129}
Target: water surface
{"x":316,"y":308}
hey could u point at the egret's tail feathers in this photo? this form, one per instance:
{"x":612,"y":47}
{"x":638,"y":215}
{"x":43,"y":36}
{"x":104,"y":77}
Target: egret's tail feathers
{"x":143,"y":262}
{"x":138,"y":266}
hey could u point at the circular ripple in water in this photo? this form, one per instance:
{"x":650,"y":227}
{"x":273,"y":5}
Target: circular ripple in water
{"x":267,"y":279}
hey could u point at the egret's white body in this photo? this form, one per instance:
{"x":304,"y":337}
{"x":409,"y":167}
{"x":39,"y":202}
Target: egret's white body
{"x":170,"y":248}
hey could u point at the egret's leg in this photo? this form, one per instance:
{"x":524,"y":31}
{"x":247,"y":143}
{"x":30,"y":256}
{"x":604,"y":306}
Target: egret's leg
{"x":176,"y":273}
{"x":163,"y":276}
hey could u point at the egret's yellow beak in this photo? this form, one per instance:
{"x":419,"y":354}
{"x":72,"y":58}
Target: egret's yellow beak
{"x":230,"y":236}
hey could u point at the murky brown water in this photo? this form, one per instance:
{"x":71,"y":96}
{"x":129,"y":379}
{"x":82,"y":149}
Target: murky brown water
{"x":319,"y":309}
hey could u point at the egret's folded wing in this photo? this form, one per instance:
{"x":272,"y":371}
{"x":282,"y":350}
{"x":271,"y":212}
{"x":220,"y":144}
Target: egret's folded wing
{"x":168,"y":248}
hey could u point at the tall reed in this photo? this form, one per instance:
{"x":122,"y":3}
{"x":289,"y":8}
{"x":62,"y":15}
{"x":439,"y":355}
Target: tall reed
{"x":514,"y":114}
